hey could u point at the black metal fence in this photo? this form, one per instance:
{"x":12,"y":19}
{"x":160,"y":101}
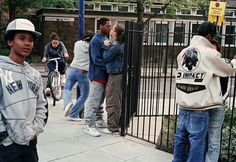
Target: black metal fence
{"x":149,"y":106}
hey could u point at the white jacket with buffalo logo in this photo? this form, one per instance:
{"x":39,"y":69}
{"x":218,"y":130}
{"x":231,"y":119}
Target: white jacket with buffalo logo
{"x":197,"y":77}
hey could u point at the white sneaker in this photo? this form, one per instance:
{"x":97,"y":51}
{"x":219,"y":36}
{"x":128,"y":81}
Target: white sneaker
{"x":63,"y":79}
{"x":107,"y":131}
{"x":74,"y":119}
{"x":47,"y":91}
{"x":67,"y":109}
{"x":100,"y":124}
{"x":91,"y":131}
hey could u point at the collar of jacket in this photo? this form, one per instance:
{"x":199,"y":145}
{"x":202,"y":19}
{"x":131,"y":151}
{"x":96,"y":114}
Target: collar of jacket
{"x":200,"y":40}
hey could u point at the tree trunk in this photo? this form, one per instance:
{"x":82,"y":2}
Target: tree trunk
{"x":12,"y":9}
{"x":140,"y":10}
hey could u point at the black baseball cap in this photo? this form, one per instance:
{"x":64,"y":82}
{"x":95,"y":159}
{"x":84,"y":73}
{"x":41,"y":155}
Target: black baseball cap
{"x":207,"y":28}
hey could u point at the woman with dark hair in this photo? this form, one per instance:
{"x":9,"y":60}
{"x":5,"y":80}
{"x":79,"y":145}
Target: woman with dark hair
{"x":55,"y":49}
{"x":78,"y":74}
{"x":113,"y":57}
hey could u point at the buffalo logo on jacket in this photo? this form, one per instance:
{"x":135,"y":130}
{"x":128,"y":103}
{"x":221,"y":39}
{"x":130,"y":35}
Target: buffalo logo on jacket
{"x":190,"y":59}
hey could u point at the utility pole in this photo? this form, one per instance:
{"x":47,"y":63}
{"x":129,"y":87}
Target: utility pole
{"x":80,"y":36}
{"x":80,"y":19}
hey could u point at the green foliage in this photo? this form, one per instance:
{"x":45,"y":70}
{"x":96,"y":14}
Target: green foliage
{"x":228,"y":140}
{"x":228,"y":143}
{"x":165,"y":139}
{"x":4,"y":52}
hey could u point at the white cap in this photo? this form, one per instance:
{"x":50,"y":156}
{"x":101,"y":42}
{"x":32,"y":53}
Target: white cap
{"x":22,"y":25}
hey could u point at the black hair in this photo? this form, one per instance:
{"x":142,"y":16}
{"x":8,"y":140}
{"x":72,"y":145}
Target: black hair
{"x":103,"y":21}
{"x":214,"y":42}
{"x":207,"y":28}
{"x":10,"y":35}
{"x":54,"y":36}
{"x":88,"y":35}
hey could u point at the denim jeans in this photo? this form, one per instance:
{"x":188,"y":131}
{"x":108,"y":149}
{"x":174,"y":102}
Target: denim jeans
{"x":93,"y":109}
{"x":76,"y":76}
{"x":216,"y":118}
{"x":192,"y":127}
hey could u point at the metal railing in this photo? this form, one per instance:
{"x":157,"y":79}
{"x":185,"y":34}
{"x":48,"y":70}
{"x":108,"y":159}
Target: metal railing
{"x":149,"y":105}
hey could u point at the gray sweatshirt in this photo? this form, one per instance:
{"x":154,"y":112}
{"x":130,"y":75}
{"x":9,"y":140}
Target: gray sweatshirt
{"x":22,"y":102}
{"x":81,"y":55}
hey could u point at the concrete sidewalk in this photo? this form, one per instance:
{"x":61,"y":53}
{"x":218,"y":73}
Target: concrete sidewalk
{"x":65,"y":141}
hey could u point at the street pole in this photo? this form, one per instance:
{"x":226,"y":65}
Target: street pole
{"x":80,"y":19}
{"x":80,"y":36}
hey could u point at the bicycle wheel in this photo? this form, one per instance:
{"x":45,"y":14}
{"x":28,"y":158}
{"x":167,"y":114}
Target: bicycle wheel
{"x":54,"y":82}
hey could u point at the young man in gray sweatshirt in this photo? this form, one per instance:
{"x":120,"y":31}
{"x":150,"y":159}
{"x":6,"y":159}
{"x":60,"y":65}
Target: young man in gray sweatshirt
{"x":23,"y":107}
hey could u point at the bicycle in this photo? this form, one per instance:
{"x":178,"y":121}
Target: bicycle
{"x":54,"y":82}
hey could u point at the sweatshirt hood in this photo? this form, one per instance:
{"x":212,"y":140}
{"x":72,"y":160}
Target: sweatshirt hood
{"x":6,"y":62}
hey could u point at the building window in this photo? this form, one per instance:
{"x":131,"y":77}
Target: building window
{"x":161,"y":33}
{"x":155,"y":10}
{"x":97,"y":27}
{"x":121,"y":22}
{"x":179,"y":33}
{"x":195,"y":29}
{"x":89,"y":6}
{"x":186,"y":12}
{"x":229,"y":13}
{"x":123,"y":8}
{"x":106,"y":7}
{"x":229,"y":35}
{"x":199,"y":12}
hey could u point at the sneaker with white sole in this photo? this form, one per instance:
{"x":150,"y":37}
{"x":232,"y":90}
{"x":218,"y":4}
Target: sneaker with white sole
{"x":92,"y":131}
{"x":74,"y":119}
{"x":100,"y":124}
{"x":107,"y":131}
{"x":67,"y":109}
{"x":63,"y":79}
{"x":48,"y":91}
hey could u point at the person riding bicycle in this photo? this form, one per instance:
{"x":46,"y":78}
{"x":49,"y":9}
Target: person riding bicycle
{"x":55,"y":49}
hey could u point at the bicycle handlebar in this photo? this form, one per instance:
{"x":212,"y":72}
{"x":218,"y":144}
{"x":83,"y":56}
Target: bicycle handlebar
{"x":54,"y":59}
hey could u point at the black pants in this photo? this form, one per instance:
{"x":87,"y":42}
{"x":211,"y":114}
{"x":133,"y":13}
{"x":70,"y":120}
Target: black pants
{"x":19,"y":153}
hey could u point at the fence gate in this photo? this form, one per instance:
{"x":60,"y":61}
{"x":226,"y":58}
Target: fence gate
{"x":149,"y":110}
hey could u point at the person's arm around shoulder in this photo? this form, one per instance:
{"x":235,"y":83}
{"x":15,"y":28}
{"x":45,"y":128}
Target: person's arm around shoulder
{"x":233,"y":62}
{"x":221,"y":67}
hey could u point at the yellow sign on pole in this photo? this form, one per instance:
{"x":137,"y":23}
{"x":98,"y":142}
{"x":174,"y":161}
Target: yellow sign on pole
{"x":217,"y":8}
{"x":216,"y":12}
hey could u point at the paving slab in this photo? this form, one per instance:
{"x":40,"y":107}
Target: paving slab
{"x":65,"y":141}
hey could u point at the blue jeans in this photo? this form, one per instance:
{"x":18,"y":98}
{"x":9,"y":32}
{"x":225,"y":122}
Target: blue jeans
{"x":76,"y":76}
{"x":192,"y":127}
{"x":93,"y":109}
{"x":216,"y":118}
